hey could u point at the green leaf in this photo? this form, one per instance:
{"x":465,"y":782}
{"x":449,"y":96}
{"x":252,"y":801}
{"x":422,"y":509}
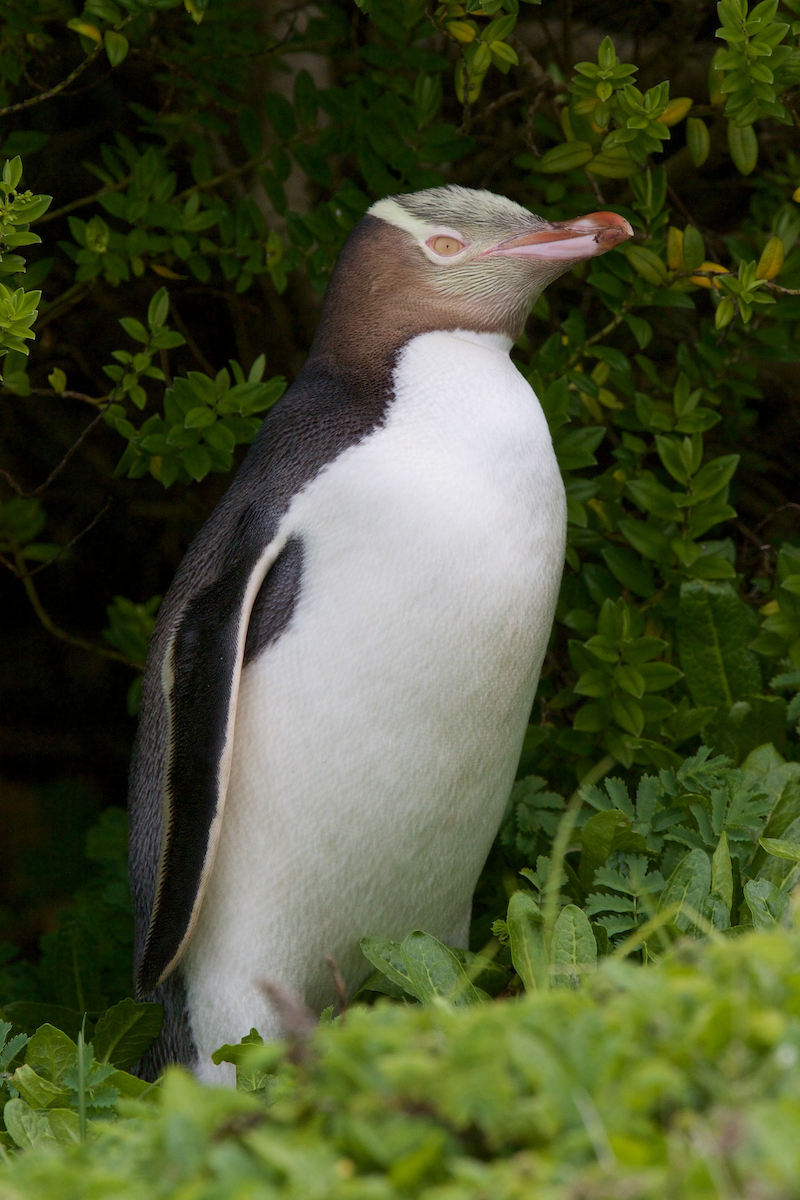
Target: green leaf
{"x":630,"y":679}
{"x":565,"y":157}
{"x":434,"y":971}
{"x":713,"y":633}
{"x":646,"y":263}
{"x":31,"y":1129}
{"x":387,"y":957}
{"x":50,"y":1053}
{"x":526,"y":939}
{"x":669,"y":451}
{"x":642,"y":330}
{"x":722,"y":872}
{"x":125,"y":1031}
{"x":57,"y":380}
{"x":575,"y":447}
{"x":781,"y":849}
{"x":280,"y":114}
{"x":157,"y":310}
{"x":743,"y":146}
{"x":698,"y":140}
{"x":134,"y":329}
{"x":659,"y":675}
{"x":574,"y":949}
{"x":628,"y":714}
{"x":711,"y":478}
{"x":197,"y":462}
{"x":767,"y":905}
{"x":688,"y":886}
{"x":36,"y":1091}
{"x":116,"y":46}
{"x":630,"y":570}
{"x":199,"y":418}
{"x":597,"y":838}
{"x":694,"y":250}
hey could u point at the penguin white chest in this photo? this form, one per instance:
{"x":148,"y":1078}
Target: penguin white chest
{"x":376,"y":740}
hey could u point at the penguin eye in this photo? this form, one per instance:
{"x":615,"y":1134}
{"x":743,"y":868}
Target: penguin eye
{"x":445,"y":245}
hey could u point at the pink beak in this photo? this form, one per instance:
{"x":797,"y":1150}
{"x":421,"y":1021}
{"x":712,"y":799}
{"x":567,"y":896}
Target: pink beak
{"x":581,"y":237}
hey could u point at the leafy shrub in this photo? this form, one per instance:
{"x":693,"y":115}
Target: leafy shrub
{"x":642,"y":1083}
{"x":223,"y":185}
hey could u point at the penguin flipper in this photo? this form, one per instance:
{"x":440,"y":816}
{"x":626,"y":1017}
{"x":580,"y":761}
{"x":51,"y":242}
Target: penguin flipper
{"x":200,"y":674}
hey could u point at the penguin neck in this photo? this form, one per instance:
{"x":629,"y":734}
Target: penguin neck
{"x":379,"y":298}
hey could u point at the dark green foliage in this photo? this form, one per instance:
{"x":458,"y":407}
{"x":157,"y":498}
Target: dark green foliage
{"x":172,"y":285}
{"x":85,"y":962}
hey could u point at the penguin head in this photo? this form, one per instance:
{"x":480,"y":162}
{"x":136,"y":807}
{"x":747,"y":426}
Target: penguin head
{"x":445,"y":259}
{"x":481,"y":258}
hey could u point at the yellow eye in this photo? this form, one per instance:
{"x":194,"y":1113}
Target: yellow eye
{"x":445,"y":245}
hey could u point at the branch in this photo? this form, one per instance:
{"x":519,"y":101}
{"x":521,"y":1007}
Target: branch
{"x":68,"y":208}
{"x":73,"y":541}
{"x":45,"y":619}
{"x":255,"y":161}
{"x":54,"y":91}
{"x":773,"y":287}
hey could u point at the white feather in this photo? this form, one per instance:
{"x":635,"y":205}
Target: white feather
{"x":376,"y":741}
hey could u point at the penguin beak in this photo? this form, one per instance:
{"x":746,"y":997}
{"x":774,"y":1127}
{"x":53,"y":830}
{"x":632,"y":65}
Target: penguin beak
{"x":566,"y":241}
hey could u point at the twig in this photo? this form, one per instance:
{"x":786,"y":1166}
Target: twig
{"x":190,"y":342}
{"x":68,"y":208}
{"x":72,"y":541}
{"x":781,"y":508}
{"x":774,"y":287}
{"x":11,"y":481}
{"x":552,"y":887}
{"x":602,"y":333}
{"x":297,"y":1022}
{"x":213,"y":182}
{"x":45,"y":619}
{"x":54,"y":91}
{"x":63,"y":303}
{"x":59,"y":467}
{"x":595,"y":186}
{"x":341,"y":989}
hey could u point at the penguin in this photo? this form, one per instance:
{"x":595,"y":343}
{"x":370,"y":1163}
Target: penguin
{"x":342,"y":672}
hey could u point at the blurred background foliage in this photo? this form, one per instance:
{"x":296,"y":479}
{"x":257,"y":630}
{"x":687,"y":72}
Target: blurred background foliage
{"x":205,"y":169}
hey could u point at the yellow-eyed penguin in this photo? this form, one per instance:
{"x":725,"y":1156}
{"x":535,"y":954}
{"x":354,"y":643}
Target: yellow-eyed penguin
{"x":341,"y":674}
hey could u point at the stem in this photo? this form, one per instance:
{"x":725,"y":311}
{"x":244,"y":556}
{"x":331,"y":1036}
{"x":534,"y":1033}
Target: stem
{"x":217,"y":179}
{"x":54,"y":91}
{"x":68,"y":208}
{"x":552,"y":888}
{"x":82,"y":1082}
{"x":63,"y":303}
{"x":774,"y":287}
{"x":598,"y":337}
{"x":45,"y":619}
{"x":73,"y":75}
